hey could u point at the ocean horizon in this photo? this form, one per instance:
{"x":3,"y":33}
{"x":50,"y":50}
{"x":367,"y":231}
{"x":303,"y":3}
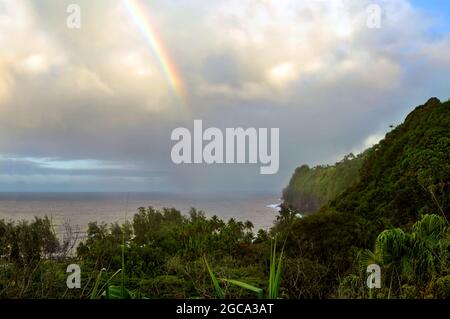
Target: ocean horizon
{"x":80,"y":208}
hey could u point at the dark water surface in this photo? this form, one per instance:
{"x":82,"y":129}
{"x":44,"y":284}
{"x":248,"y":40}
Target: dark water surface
{"x":81,"y":208}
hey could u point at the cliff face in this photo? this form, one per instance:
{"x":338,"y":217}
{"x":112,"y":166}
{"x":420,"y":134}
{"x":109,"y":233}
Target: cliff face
{"x":310,"y":188}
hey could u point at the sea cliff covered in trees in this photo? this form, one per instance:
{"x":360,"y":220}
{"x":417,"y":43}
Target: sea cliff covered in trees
{"x":311,"y":188}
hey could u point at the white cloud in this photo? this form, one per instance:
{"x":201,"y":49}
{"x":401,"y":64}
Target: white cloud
{"x":282,"y":74}
{"x":310,"y":67}
{"x":372,"y":140}
{"x":6,"y":82}
{"x":35,"y":64}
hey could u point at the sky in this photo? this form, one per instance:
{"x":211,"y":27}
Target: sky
{"x":91,"y":109}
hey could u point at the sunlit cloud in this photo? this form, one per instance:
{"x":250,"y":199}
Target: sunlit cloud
{"x":282,"y":73}
{"x":91,"y":98}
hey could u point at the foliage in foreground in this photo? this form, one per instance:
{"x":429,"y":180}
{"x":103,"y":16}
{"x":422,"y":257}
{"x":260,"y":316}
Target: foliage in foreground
{"x":274,"y":277}
{"x":414,"y":264}
{"x":116,"y":264}
{"x":158,"y":254}
{"x":398,"y":207}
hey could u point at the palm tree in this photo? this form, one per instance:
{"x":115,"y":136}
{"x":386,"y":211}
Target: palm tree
{"x":431,"y":242}
{"x":392,"y":254}
{"x":412,"y":258}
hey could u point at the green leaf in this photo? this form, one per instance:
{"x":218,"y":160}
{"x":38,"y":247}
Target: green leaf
{"x":116,"y":292}
{"x":106,"y":285}
{"x":275,"y":270}
{"x":259,"y":292}
{"x":219,"y":292}
{"x":94,"y":293}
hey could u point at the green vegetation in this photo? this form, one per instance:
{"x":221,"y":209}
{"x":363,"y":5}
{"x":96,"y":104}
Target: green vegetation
{"x":414,"y":264}
{"x":392,"y":212}
{"x":310,"y":188}
{"x":274,"y":277}
{"x":403,"y":178}
{"x":407,"y":174}
{"x":158,"y":254}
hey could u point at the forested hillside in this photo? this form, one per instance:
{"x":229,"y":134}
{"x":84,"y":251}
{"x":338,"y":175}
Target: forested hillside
{"x":408,"y":173}
{"x":310,"y":188}
{"x":403,"y":187}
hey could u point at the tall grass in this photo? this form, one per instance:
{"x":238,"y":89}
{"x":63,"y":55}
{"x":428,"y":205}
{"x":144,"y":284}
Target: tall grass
{"x":111,"y":291}
{"x":275,"y":271}
{"x":97,"y":293}
{"x":218,"y":290}
{"x":274,"y":277}
{"x":122,"y":283}
{"x":119,"y":292}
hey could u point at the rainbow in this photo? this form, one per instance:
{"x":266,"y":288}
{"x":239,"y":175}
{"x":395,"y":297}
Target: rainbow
{"x":140,"y":16}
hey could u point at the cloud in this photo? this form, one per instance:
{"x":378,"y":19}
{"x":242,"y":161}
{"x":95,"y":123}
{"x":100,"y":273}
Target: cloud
{"x":6,"y":82}
{"x":98,"y":95}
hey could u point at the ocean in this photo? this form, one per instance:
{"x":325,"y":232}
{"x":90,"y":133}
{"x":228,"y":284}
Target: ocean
{"x":78,"y":209}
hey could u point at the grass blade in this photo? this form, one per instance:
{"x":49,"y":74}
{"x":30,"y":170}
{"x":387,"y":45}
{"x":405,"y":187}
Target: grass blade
{"x":277,"y":279}
{"x":258,"y":291}
{"x":94,"y":292}
{"x":106,"y":285}
{"x":273,"y":248}
{"x":219,"y":292}
{"x":275,"y":271}
{"x":122,"y":283}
